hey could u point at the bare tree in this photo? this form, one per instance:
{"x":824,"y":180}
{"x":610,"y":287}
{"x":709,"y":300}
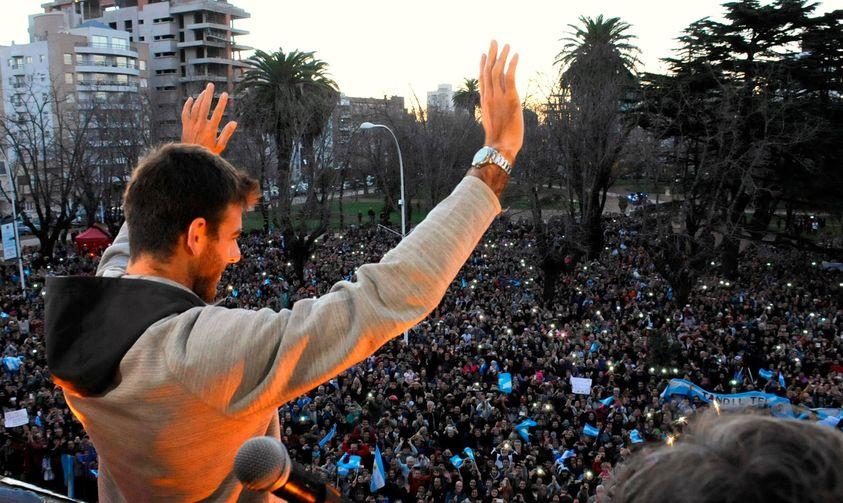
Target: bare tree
{"x":48,"y":136}
{"x":121,"y":133}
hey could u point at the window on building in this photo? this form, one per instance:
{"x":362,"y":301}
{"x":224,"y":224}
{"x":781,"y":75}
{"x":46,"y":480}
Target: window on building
{"x":68,"y":78}
{"x":122,"y":79}
{"x":98,"y":60}
{"x":99,"y":41}
{"x":142,"y":65}
{"x":29,"y":60}
{"x":144,"y":83}
{"x":80,"y":78}
{"x":71,"y":98}
{"x":42,"y":57}
{"x":80,"y":59}
{"x":68,"y":58}
{"x":122,"y":61}
{"x":120,"y":43}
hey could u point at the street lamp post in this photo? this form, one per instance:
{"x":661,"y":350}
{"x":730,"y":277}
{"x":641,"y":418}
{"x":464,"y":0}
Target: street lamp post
{"x":15,"y":220}
{"x":369,"y":125}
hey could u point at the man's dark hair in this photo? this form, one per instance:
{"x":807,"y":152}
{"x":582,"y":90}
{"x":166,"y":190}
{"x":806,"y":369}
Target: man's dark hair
{"x":738,"y":458}
{"x":174,"y":185}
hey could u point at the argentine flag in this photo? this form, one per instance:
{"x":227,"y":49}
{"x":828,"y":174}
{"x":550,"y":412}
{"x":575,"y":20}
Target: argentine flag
{"x":457,"y":461}
{"x":607,"y":401}
{"x":589,"y":430}
{"x":523,"y":428}
{"x":766,"y":374}
{"x":635,"y":437}
{"x":505,"y":382}
{"x":781,"y":380}
{"x":378,"y":473}
{"x":327,"y":438}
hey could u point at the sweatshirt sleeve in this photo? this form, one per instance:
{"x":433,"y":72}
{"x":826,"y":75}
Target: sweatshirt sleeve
{"x":241,"y":362}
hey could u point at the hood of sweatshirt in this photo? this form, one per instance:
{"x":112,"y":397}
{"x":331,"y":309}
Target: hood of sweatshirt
{"x":92,"y":322}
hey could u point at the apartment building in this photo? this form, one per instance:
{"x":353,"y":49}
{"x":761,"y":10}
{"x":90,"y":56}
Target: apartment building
{"x":442,"y":98}
{"x":191,"y":42}
{"x":81,"y":69}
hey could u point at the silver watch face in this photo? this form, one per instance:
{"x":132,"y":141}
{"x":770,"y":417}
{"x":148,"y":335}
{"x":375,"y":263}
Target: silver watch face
{"x":482,"y":156}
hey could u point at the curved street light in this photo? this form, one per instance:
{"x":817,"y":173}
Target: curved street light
{"x":369,"y":125}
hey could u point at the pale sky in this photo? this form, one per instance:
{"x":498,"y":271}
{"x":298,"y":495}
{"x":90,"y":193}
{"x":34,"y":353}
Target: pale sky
{"x":380,"y":47}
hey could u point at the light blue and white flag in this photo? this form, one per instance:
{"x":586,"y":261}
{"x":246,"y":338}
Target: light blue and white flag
{"x":607,"y":401}
{"x":589,"y":430}
{"x":468,"y":452}
{"x":378,"y":473}
{"x":635,"y":437}
{"x":523,"y":428}
{"x":781,"y":380}
{"x":766,"y":374}
{"x":327,"y":438}
{"x":594,"y":347}
{"x":824,"y":412}
{"x":457,"y":461}
{"x":830,"y":421}
{"x":505,"y":382}
{"x":348,"y":463}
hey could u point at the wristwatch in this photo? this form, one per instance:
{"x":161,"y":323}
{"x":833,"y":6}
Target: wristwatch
{"x":489,"y":155}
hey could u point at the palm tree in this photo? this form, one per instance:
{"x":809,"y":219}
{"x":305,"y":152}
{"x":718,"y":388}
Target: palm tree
{"x":598,"y":62}
{"x":294,"y":94}
{"x":606,"y":41}
{"x":468,"y":97}
{"x":286,"y":87}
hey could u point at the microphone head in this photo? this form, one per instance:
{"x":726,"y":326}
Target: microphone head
{"x":262,"y":464}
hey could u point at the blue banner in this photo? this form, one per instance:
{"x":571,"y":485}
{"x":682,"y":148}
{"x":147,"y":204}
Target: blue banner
{"x":505,"y":382}
{"x":779,"y":406}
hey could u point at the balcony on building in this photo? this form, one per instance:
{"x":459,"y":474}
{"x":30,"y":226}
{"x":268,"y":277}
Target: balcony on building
{"x":217,"y":6}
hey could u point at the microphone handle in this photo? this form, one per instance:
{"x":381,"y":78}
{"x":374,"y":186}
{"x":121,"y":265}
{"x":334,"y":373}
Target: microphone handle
{"x":305,"y":487}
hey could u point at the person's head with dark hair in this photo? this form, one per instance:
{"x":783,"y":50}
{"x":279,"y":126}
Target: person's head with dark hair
{"x":184,"y":207}
{"x":738,"y":458}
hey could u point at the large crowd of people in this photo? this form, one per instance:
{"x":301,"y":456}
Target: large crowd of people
{"x":433,"y":407}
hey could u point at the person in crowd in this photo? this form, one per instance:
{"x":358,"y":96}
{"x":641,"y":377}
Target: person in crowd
{"x":738,"y":458}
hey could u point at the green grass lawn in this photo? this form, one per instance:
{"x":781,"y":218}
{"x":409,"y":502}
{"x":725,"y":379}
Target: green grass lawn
{"x":253,"y":220}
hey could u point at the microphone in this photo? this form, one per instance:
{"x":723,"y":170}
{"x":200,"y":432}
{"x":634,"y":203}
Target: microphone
{"x":263,"y":464}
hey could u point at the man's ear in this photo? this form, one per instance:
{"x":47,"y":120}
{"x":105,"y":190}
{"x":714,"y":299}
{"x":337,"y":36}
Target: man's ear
{"x":197,"y":236}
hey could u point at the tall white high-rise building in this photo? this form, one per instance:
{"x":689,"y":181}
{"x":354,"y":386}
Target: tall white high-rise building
{"x":442,"y":98}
